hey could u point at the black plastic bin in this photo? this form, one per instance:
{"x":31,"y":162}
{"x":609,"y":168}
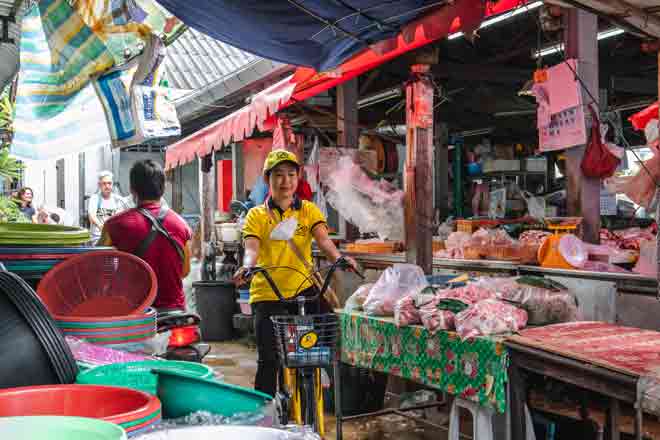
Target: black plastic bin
{"x":216,"y":305}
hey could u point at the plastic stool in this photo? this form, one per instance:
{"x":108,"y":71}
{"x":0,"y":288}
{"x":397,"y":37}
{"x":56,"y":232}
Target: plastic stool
{"x":483,"y":421}
{"x":482,"y":417}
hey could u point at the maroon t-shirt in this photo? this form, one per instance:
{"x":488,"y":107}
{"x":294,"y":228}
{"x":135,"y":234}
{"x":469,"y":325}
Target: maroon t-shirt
{"x":129,"y":228}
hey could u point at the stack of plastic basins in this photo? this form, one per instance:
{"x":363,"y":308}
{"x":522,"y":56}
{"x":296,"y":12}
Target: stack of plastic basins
{"x":103,"y":297}
{"x":31,"y":250}
{"x":133,"y":410}
{"x":35,"y":352}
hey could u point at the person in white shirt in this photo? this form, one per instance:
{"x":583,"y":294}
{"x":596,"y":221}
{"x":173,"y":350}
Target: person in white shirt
{"x":103,"y":205}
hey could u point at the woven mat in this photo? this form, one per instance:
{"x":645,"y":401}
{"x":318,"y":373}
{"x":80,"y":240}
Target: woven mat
{"x":626,"y":350}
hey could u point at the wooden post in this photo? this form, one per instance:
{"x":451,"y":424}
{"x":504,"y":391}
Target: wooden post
{"x":441,"y":162}
{"x":239,"y":168}
{"x":177,"y":189}
{"x":419,"y":169}
{"x":583,"y":193}
{"x":347,"y":129}
{"x":657,"y":202}
{"x":207,"y":220}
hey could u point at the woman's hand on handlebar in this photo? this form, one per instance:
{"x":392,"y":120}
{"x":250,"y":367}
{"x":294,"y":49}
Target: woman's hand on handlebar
{"x":242,"y":276}
{"x":352,"y":265}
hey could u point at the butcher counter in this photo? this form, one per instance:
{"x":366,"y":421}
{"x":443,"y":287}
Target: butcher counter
{"x":623,"y":298}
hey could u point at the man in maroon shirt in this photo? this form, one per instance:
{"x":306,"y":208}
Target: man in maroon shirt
{"x":156,"y":234}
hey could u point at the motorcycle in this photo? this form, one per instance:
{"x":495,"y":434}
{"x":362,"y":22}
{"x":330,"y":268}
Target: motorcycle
{"x":185,"y":341}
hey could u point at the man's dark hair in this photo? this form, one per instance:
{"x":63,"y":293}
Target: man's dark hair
{"x":147,"y":180}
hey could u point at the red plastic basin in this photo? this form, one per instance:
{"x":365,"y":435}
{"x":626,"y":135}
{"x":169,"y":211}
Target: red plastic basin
{"x":112,"y":404}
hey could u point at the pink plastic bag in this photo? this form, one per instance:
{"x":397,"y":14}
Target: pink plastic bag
{"x":489,"y":317}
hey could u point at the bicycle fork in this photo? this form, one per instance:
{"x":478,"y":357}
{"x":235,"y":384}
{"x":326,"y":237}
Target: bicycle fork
{"x":306,"y":392}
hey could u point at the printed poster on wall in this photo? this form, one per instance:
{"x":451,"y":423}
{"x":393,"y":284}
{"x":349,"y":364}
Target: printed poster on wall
{"x":561,"y":121}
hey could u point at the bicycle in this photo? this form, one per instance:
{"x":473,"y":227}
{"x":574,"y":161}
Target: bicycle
{"x":305,"y":345}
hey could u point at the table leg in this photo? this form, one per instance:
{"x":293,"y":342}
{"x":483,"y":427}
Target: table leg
{"x":517,"y":402}
{"x":639,"y":417}
{"x":338,"y":410}
{"x":612,"y":423}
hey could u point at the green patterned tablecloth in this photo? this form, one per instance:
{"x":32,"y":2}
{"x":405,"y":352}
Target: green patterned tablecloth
{"x":474,"y":369}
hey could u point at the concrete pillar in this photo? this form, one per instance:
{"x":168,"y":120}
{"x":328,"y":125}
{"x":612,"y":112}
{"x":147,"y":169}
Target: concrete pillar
{"x":583,"y":193}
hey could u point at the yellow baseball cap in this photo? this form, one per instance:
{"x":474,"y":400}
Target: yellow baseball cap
{"x":277,"y":157}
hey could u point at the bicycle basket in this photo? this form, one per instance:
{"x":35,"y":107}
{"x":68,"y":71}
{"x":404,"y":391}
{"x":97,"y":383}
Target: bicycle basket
{"x":306,"y":341}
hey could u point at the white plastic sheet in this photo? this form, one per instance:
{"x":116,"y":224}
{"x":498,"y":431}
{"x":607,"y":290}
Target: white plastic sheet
{"x":372,"y":206}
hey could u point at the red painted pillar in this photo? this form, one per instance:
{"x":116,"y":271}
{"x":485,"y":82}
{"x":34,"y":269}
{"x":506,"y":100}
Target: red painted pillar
{"x":419,"y":169}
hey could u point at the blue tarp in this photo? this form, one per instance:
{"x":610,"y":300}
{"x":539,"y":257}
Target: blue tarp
{"x":312,"y":33}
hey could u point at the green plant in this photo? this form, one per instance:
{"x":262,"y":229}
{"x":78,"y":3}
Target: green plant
{"x":10,"y":168}
{"x":9,"y":211}
{"x":6,"y":113}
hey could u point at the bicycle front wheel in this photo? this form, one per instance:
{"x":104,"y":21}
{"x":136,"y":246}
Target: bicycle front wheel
{"x":308,"y":398}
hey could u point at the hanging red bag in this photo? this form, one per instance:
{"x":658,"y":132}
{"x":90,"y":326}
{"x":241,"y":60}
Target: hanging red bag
{"x":598,"y":161}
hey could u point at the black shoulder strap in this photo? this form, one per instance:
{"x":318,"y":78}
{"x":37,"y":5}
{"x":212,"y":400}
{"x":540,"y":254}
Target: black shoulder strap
{"x":156,"y":228}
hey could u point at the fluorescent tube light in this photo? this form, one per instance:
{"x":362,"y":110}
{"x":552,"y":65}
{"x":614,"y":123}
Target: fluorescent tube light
{"x":559,"y":47}
{"x":379,"y":97}
{"x":501,"y":18}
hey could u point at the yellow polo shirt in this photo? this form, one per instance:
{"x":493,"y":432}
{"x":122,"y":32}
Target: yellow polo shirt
{"x":259,"y":224}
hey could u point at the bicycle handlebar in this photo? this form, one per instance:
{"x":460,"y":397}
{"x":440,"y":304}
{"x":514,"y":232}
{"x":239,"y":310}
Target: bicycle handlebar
{"x":341,"y":263}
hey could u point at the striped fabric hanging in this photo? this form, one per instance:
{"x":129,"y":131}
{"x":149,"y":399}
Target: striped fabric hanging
{"x":57,"y":111}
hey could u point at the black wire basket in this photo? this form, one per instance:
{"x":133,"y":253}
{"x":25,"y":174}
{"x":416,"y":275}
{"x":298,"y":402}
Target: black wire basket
{"x":306,"y":341}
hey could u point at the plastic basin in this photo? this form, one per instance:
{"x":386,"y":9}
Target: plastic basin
{"x":222,"y":433}
{"x":182,"y":394}
{"x":112,"y":404}
{"x":29,"y":234}
{"x":59,"y":428}
{"x":138,"y":375}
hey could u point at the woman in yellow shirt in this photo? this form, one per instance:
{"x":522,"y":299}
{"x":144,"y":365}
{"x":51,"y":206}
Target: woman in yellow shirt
{"x":281,"y":173}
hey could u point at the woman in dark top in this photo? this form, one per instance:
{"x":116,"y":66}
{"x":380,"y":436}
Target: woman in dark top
{"x":24,"y":201}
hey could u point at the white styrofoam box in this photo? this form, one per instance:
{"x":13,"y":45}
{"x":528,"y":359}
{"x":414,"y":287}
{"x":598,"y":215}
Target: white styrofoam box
{"x":494,"y":165}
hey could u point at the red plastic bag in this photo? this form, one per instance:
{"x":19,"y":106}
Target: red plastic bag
{"x":598,"y":161}
{"x":640,"y":119}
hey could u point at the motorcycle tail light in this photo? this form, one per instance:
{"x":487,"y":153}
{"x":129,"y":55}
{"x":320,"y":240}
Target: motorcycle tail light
{"x":183,"y":336}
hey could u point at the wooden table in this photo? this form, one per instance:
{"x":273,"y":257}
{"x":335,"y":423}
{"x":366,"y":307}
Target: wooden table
{"x":615,"y":386}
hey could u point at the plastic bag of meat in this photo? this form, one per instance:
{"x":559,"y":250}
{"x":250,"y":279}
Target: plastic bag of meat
{"x":434,"y":318}
{"x":471,"y":293}
{"x":356,"y":301}
{"x":489,"y":317}
{"x":405,"y":312}
{"x":396,"y":282}
{"x":544,"y":300}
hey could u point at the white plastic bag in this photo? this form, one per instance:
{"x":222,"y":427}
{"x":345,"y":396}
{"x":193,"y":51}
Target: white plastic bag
{"x":284,"y":229}
{"x":535,"y":205}
{"x":355,"y":301}
{"x":396,"y":282}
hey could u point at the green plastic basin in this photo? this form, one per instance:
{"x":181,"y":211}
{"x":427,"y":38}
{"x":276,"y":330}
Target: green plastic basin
{"x":138,"y":375}
{"x":59,"y":428}
{"x":181,"y":394}
{"x":30,"y":234}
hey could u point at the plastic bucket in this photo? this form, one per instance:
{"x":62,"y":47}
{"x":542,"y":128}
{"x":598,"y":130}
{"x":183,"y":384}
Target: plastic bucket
{"x":59,"y":428}
{"x":216,"y":302}
{"x":138,"y":375}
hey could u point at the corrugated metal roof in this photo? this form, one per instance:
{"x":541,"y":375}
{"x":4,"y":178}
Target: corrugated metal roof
{"x":196,"y":60}
{"x":9,"y":51}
